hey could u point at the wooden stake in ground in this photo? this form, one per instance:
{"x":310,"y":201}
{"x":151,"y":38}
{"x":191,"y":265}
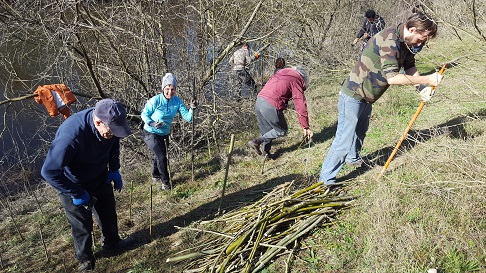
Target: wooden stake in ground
{"x":131,"y":202}
{"x":230,"y":152}
{"x":192,"y":127}
{"x":46,"y":252}
{"x":166,"y":141}
{"x":419,"y":109}
{"x":150,"y":211}
{"x":263,"y":163}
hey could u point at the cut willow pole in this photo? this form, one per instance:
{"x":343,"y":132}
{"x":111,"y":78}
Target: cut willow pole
{"x":166,"y":143}
{"x":230,"y":153}
{"x":150,"y":211}
{"x":261,"y":231}
{"x":410,"y":124}
{"x":130,"y":202}
{"x":192,"y":127}
{"x":264,"y":158}
{"x":307,"y":226}
{"x":46,"y":252}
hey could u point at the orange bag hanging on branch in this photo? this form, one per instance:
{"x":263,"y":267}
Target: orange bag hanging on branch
{"x":56,"y":98}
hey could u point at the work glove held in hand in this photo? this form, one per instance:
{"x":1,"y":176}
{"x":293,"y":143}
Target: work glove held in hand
{"x":194,"y":104}
{"x":81,"y":200}
{"x":426,"y":94}
{"x":156,"y":124}
{"x":308,"y":133}
{"x":115,"y":176}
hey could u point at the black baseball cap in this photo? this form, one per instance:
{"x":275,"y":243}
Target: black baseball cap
{"x":113,"y":113}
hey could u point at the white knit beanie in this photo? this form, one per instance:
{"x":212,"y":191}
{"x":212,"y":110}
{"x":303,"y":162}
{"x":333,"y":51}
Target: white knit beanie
{"x":169,"y":78}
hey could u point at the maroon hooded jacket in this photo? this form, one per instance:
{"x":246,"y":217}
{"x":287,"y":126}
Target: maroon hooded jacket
{"x":284,"y":85}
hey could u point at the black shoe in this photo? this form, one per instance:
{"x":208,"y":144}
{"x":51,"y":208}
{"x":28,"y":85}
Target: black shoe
{"x":268,"y":155}
{"x":120,"y":244}
{"x":165,"y":186}
{"x":255,"y":145}
{"x":86,"y":266}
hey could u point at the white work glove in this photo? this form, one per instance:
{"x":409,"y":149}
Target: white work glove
{"x":194,"y":104}
{"x":157,"y":124}
{"x":308,"y":133}
{"x":426,"y":93}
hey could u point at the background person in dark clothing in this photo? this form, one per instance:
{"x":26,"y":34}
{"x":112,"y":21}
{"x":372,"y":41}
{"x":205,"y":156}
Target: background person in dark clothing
{"x":81,"y":163}
{"x":371,"y":25}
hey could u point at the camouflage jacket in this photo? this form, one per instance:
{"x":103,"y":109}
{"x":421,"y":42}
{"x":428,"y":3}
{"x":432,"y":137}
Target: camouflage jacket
{"x":382,"y":58}
{"x":240,"y":59}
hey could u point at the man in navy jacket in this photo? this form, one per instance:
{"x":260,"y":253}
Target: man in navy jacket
{"x":81,"y":163}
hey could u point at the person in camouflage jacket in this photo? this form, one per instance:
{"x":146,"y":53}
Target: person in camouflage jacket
{"x":240,"y":60}
{"x":378,"y":67}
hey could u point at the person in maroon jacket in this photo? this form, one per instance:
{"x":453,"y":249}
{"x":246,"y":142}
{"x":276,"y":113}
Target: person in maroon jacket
{"x":286,"y":84}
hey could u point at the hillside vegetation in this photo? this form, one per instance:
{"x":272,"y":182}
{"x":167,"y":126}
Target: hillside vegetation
{"x":426,"y":212}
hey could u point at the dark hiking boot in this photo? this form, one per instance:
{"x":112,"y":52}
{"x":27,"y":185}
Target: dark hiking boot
{"x":268,"y":155}
{"x":86,"y":266}
{"x":122,"y":244}
{"x":165,"y":186}
{"x":255,"y":145}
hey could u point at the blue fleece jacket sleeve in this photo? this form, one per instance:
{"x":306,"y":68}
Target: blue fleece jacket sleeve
{"x":60,"y":154}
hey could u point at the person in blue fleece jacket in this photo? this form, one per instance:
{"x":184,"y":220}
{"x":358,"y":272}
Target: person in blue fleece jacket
{"x":158,"y":113}
{"x":81,"y":163}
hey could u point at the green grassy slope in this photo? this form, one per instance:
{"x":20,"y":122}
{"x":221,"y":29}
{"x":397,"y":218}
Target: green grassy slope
{"x":426,"y":212}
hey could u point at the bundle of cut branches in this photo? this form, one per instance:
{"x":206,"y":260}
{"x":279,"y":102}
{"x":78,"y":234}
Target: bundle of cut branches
{"x":252,"y":236}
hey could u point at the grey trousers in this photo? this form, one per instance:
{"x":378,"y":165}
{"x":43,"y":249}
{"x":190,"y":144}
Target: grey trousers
{"x":271,"y":122}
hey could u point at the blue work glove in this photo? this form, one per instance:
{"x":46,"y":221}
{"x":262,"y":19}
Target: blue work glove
{"x":81,"y":200}
{"x":115,"y":176}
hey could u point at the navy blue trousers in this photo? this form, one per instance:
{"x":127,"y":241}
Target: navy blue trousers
{"x":158,"y":145}
{"x":81,"y":219}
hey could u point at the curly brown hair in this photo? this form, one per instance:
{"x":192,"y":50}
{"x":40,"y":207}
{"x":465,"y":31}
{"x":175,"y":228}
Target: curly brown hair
{"x":279,"y":63}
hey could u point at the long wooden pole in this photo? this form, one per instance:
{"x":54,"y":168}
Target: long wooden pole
{"x":192,"y":127}
{"x":232,"y":144}
{"x":410,"y":124}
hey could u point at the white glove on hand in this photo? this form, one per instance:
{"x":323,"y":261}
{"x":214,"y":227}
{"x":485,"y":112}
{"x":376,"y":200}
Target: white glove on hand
{"x":157,"y":124}
{"x":426,"y":94}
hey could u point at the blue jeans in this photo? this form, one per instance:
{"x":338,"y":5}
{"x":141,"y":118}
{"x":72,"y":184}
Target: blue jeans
{"x":81,"y":219}
{"x":353,"y":122}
